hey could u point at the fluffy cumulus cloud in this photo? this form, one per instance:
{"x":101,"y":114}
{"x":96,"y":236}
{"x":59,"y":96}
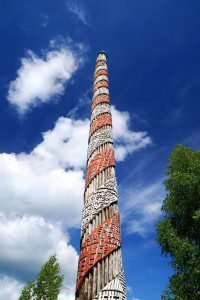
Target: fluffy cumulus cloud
{"x":32,"y":186}
{"x":10,"y":288}
{"x":67,"y":293}
{"x":142,"y":207}
{"x":66,"y":144}
{"x":50,"y":179}
{"x":126,"y":140}
{"x":26,"y":242}
{"x":41,"y":197}
{"x":41,"y":79}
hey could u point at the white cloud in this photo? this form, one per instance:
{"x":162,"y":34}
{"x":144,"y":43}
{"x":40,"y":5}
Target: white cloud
{"x":77,"y":9}
{"x":39,"y":183}
{"x":142,"y":207}
{"x":40,"y":79}
{"x":67,"y":293}
{"x":10,"y":288}
{"x":50,"y":181}
{"x":42,"y":195}
{"x":66,"y":144}
{"x":32,"y":186}
{"x":126,"y":140}
{"x":26,"y":244}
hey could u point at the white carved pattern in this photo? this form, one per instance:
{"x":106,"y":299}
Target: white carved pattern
{"x":99,"y":138}
{"x":101,"y":77}
{"x":102,"y":198}
{"x":99,"y":91}
{"x":123,"y":282}
{"x":101,"y":68}
{"x":101,"y":56}
{"x":115,"y":289}
{"x":100,"y":109}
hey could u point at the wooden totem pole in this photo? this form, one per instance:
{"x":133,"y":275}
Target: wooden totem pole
{"x":100,"y":270}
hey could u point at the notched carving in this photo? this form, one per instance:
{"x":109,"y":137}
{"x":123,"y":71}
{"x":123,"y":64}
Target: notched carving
{"x":99,"y":162}
{"x":104,"y":196}
{"x":100,"y":243}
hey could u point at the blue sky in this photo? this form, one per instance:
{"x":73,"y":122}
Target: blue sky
{"x":47,"y":60}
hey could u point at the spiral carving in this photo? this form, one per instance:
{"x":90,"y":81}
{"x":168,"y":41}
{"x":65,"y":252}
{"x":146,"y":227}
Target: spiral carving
{"x":100,"y":269}
{"x":105,"y":195}
{"x":99,"y":162}
{"x":100,"y":243}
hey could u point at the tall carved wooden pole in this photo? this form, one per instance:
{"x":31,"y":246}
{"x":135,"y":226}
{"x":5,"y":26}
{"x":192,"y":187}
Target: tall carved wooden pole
{"x":100,"y":270}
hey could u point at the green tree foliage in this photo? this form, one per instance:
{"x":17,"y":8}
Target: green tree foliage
{"x":27,"y":291}
{"x":179,"y":232}
{"x":47,"y":284}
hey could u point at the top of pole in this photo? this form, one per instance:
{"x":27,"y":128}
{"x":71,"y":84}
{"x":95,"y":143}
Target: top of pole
{"x":103,"y":52}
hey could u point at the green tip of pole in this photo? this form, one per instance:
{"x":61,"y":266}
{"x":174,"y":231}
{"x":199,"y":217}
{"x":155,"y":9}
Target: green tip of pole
{"x":103,"y":52}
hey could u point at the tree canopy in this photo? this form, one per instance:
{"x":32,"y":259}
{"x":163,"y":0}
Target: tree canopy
{"x":179,"y":232}
{"x":47,"y":284}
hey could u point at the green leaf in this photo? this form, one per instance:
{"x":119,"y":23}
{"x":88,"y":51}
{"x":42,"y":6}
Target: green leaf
{"x":47,"y":284}
{"x":179,"y":232}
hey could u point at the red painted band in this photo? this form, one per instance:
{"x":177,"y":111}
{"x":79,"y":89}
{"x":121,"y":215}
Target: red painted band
{"x":99,"y":162}
{"x":100,"y":121}
{"x":102,"y":83}
{"x":100,"y":243}
{"x":100,"y":99}
{"x":100,"y":72}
